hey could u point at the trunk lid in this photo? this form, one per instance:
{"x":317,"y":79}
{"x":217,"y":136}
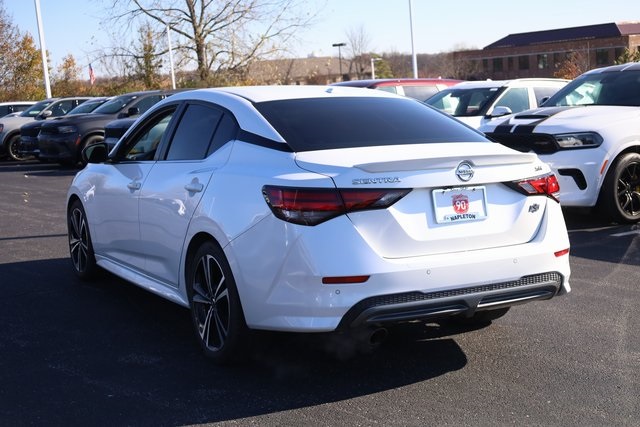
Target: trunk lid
{"x":443,"y":213}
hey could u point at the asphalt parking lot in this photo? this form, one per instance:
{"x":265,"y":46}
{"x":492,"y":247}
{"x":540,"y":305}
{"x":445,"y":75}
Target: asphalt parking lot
{"x":107,"y":353}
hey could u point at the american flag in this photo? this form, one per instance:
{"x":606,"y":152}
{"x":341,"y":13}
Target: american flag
{"x":92,"y":76}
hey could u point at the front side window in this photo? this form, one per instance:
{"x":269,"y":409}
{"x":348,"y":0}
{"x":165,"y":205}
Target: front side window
{"x":516,"y":99}
{"x":465,"y":102}
{"x":145,"y":142}
{"x":63,"y":107}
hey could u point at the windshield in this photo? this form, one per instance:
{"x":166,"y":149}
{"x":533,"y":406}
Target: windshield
{"x":87,"y":107}
{"x":35,"y":109}
{"x":464,"y":102}
{"x":115,"y":105}
{"x":322,"y":124}
{"x":613,"y":88}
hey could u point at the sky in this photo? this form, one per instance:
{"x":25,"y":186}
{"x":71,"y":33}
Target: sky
{"x":78,"y":27}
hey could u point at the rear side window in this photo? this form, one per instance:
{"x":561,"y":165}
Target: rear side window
{"x":543,"y":93}
{"x":194,"y":133}
{"x":328,"y":123}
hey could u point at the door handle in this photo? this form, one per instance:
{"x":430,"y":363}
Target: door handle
{"x":194,"y":187}
{"x":134,"y":185}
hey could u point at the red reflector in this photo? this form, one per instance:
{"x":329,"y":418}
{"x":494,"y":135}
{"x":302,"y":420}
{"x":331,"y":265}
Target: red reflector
{"x":561,"y":253}
{"x":344,"y":279}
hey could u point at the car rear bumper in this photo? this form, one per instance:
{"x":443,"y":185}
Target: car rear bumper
{"x":283,"y":287}
{"x":394,"y":308}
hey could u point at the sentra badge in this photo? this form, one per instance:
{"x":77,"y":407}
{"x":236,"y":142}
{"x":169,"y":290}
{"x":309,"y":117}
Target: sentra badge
{"x":381,"y":180}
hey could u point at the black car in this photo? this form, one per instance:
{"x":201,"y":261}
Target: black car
{"x":114,"y":130}
{"x":29,"y":132}
{"x":62,"y":140}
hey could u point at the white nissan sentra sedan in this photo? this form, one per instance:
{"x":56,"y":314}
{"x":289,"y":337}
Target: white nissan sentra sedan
{"x":317,"y":209}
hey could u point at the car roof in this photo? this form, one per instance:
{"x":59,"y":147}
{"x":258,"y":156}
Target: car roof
{"x":240,"y":100}
{"x":476,"y":84}
{"x":277,"y":93}
{"x":18,"y":103}
{"x":629,"y":66}
{"x":372,"y":83}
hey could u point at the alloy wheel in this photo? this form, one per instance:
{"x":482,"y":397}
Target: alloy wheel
{"x":628,"y":190}
{"x":79,"y":240}
{"x":211,"y":304}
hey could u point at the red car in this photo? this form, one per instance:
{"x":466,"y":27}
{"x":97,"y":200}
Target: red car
{"x":420,"y":89}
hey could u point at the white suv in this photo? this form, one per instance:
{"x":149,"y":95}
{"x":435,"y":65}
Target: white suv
{"x":589,"y":133}
{"x":477,"y":102}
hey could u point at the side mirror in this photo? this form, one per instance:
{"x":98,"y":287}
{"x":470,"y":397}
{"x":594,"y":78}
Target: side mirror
{"x":500,"y":111}
{"x":543,"y":100}
{"x":133,"y":111}
{"x":44,"y":114}
{"x":95,"y":153}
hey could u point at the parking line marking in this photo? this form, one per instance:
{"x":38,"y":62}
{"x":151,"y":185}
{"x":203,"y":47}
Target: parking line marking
{"x":626,"y":233}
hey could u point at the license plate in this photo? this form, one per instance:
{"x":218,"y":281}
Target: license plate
{"x":459,"y":204}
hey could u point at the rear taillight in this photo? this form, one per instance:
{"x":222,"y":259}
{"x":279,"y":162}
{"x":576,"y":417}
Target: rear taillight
{"x":541,"y":185}
{"x":312,"y":206}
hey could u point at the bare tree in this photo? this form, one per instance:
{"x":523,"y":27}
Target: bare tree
{"x":220,"y":36}
{"x":20,"y":62}
{"x":358,"y":41}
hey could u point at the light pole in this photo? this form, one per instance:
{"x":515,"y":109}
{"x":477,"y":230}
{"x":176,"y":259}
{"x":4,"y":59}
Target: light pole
{"x":43,"y":51}
{"x":339,"y":45}
{"x":413,"y":49}
{"x":173,"y":75}
{"x":373,"y":70}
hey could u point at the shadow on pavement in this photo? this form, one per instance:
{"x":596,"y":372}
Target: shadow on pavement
{"x":108,"y":353}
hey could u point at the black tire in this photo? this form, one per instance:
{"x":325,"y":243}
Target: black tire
{"x":483,"y":317}
{"x":216,"y":311}
{"x":620,"y":193}
{"x":12,"y":149}
{"x":80,"y":246}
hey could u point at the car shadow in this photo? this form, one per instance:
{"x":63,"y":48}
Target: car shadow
{"x":109,"y":353}
{"x":590,"y":232}
{"x":36,"y":168}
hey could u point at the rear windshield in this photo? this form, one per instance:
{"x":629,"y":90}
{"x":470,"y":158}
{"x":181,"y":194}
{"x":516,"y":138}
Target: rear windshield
{"x":322,"y":124}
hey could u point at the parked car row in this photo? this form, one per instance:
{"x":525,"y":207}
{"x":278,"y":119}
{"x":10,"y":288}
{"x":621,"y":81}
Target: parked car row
{"x":68,"y":130}
{"x":10,"y":126}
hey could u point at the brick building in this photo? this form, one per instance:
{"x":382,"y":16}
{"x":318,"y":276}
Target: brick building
{"x":540,"y":53}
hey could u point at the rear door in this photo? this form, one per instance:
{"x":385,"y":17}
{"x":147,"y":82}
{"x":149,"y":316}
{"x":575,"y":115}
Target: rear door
{"x":176,"y":184}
